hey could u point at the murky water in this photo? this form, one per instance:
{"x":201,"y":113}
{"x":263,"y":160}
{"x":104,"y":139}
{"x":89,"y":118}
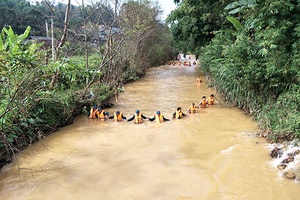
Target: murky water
{"x":213,"y":154}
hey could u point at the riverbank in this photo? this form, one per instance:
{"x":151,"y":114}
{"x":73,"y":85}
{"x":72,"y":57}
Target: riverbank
{"x":48,"y":113}
{"x":284,"y":149}
{"x":275,"y":110}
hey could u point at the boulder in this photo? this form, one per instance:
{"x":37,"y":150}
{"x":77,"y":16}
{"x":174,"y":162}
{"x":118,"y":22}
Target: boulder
{"x":281,"y":166}
{"x":276,"y":152}
{"x":290,"y":174}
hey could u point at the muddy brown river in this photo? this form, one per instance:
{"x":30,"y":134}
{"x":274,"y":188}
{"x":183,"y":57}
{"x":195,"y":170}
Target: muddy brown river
{"x":213,"y":154}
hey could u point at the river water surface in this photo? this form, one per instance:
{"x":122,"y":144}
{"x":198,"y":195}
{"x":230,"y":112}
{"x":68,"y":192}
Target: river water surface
{"x":213,"y":154}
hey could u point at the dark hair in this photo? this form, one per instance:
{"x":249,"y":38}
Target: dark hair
{"x":179,"y":108}
{"x":203,"y":97}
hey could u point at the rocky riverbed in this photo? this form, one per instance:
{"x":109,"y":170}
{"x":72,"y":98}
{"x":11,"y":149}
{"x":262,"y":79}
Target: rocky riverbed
{"x":286,"y":158}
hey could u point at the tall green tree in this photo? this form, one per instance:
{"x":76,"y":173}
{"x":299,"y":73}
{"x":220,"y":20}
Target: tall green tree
{"x":19,"y":14}
{"x":139,"y":24}
{"x":194,"y":22}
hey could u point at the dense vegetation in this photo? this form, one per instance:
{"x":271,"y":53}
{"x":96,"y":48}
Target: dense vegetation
{"x":97,"y":48}
{"x":251,"y":49}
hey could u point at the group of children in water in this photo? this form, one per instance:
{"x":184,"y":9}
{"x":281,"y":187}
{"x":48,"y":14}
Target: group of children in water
{"x":138,"y":117}
{"x":185,"y":63}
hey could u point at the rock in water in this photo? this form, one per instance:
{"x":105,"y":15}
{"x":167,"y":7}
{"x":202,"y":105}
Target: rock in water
{"x":290,"y":174}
